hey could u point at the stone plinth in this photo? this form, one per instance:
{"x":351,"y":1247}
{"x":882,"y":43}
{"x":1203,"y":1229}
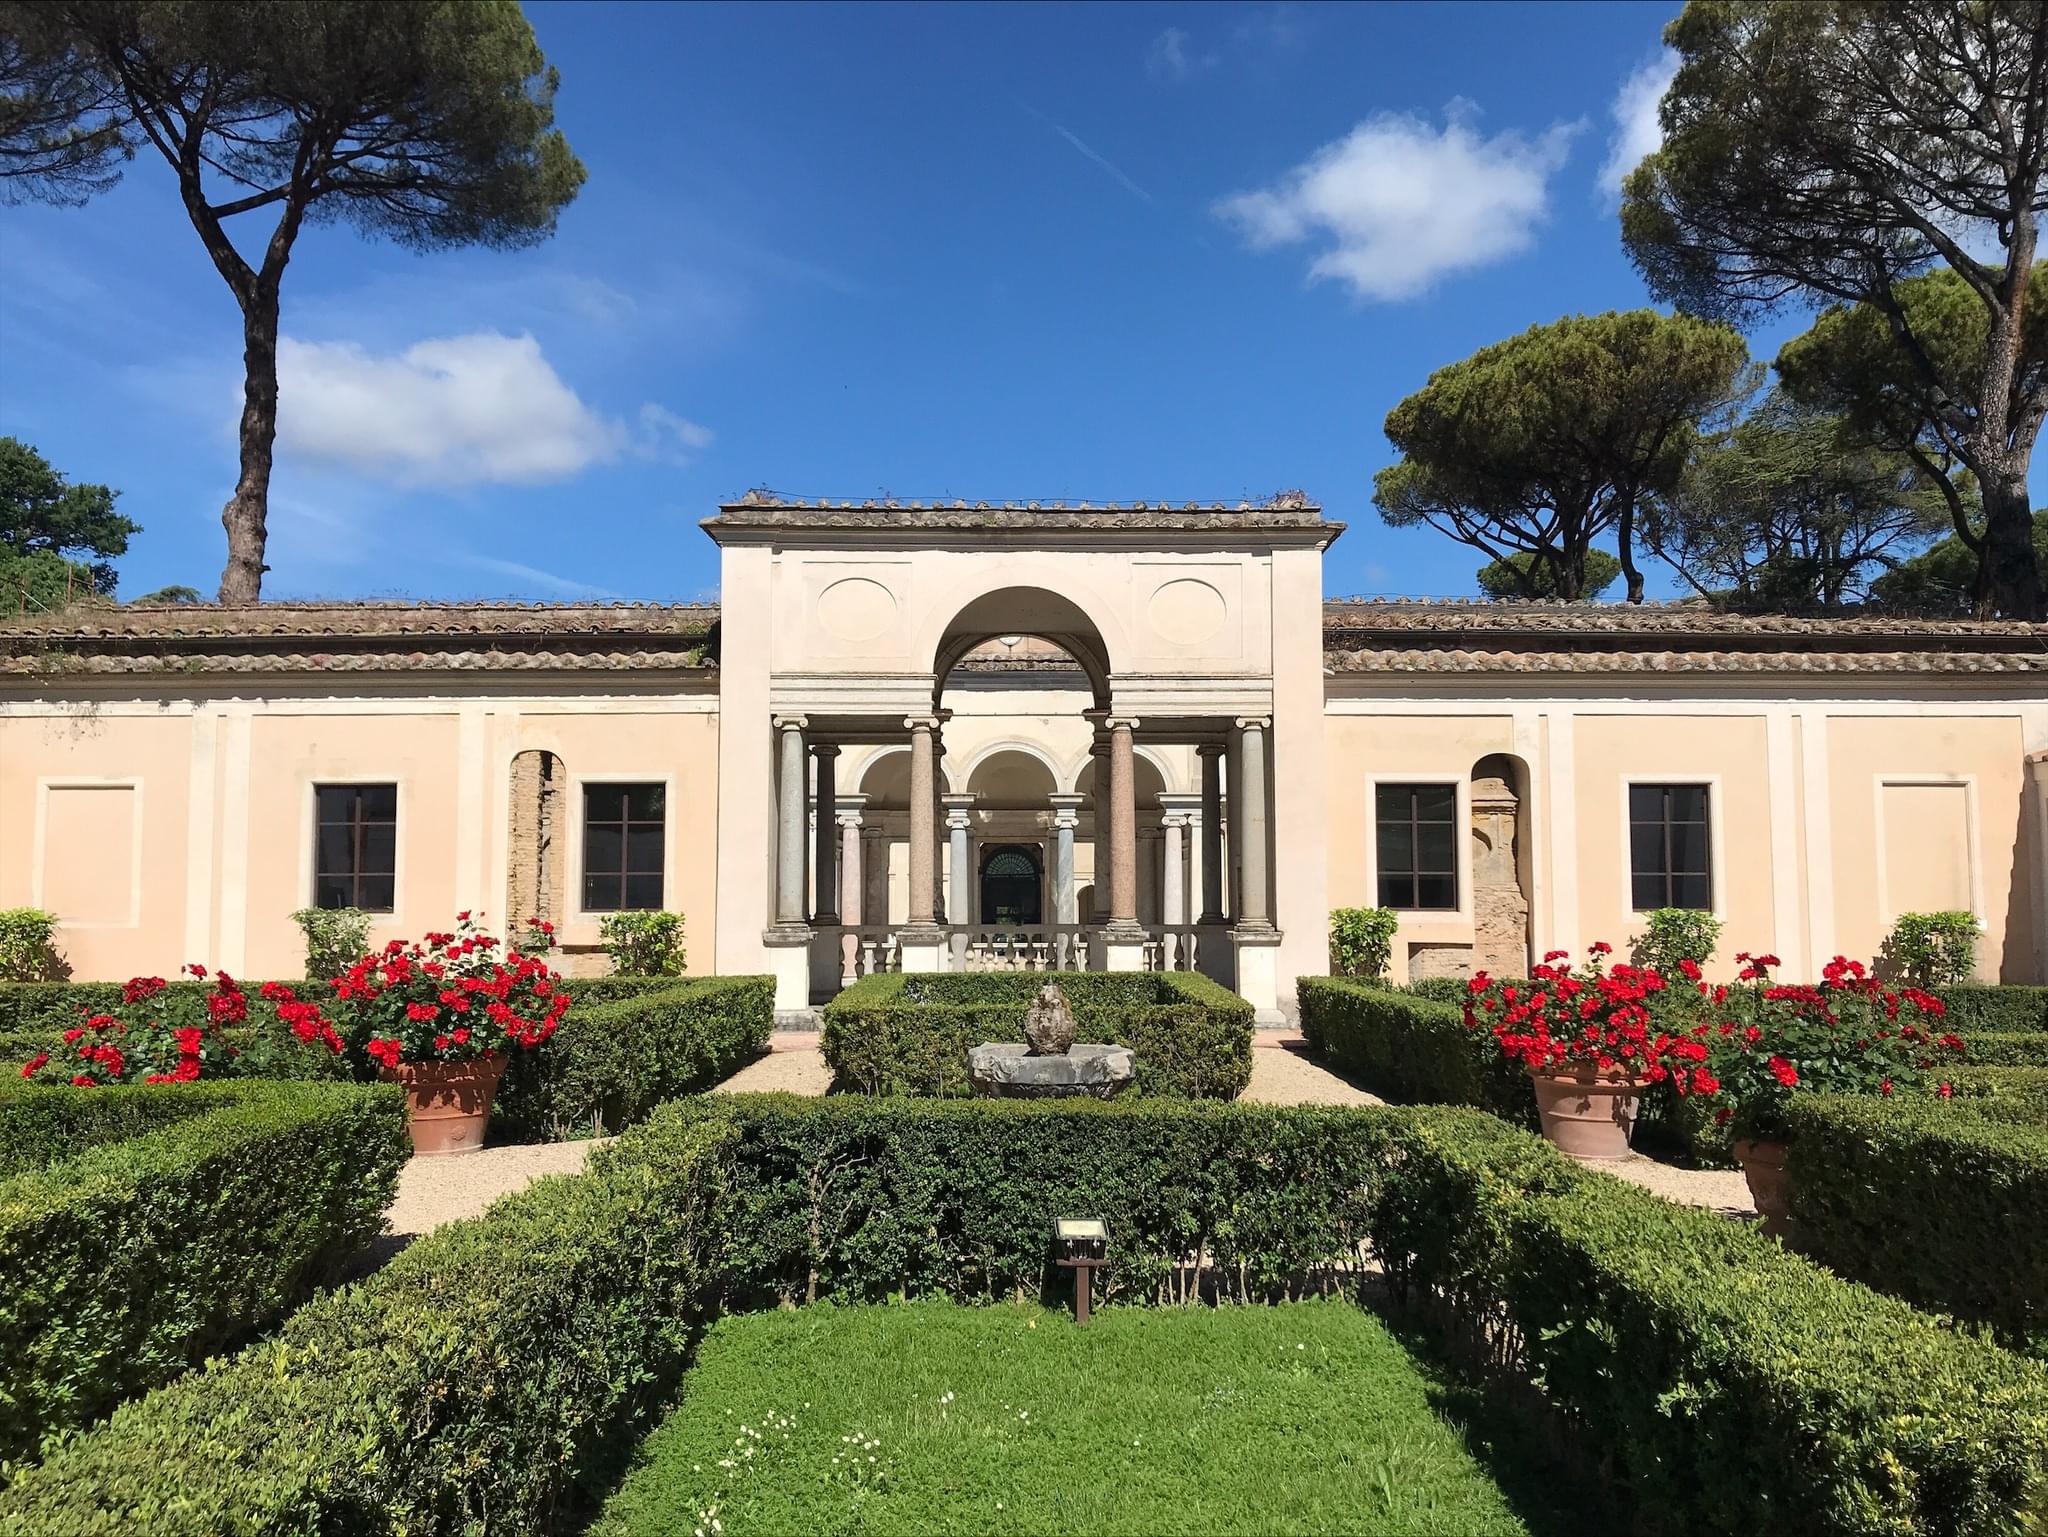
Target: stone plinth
{"x":1008,"y":1070}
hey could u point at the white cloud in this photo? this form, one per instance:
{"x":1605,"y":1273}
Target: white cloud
{"x":1173,"y":56}
{"x":1636,"y":130}
{"x":1404,"y":204}
{"x":456,"y":410}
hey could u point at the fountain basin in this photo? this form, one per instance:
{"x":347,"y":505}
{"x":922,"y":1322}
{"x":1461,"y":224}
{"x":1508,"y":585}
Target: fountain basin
{"x":1009,"y":1070}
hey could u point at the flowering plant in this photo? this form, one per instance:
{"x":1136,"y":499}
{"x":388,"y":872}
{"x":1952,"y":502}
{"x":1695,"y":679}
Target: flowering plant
{"x":1564,"y":1021}
{"x":450,"y":998}
{"x":1767,"y":1041}
{"x":145,"y":1041}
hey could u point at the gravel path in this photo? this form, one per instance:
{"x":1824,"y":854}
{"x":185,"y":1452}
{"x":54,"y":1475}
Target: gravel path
{"x":1284,"y":1074}
{"x":794,"y":1065}
{"x":1720,"y":1190}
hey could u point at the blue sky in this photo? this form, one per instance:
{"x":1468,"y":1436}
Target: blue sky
{"x":994,"y":252}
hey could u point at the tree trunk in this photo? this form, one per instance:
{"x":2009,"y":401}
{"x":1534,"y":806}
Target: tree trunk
{"x":1626,"y":539}
{"x":2011,"y":575}
{"x":247,"y":513}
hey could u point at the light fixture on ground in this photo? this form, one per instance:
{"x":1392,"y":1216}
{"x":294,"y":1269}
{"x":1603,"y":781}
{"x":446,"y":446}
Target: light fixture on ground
{"x":1080,"y":1244}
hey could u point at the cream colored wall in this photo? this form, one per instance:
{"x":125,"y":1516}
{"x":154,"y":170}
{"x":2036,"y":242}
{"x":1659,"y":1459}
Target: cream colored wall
{"x":1361,"y":751}
{"x":220,"y":851}
{"x":1812,"y":855}
{"x":1727,"y":753}
{"x":122,"y":877}
{"x":1953,"y":833}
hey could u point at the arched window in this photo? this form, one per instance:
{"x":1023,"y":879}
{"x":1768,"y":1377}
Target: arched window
{"x":1012,"y":885}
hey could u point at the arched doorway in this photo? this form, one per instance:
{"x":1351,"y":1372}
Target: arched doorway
{"x":1012,"y":886}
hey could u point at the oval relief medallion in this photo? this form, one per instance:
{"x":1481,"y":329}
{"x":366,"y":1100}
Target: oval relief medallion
{"x":1187,"y":612}
{"x":856,"y":609}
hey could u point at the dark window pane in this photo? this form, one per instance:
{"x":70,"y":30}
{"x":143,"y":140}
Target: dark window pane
{"x":643,"y":891}
{"x":1397,"y":891}
{"x":331,"y":802}
{"x":645,"y":801}
{"x":1392,"y":801}
{"x":1688,"y":803}
{"x":374,"y":893}
{"x":331,"y":891}
{"x":1436,"y":850}
{"x":1645,"y":803}
{"x":604,"y":803}
{"x":1691,"y":890}
{"x":1647,"y":893}
{"x":1689,"y":846}
{"x":601,"y":848}
{"x":1646,"y":848}
{"x":600,"y":893}
{"x":1436,"y":803}
{"x":379,"y":801}
{"x":333,"y":850}
{"x":643,"y":849}
{"x":380,"y":849}
{"x":1436,"y":891}
{"x":1397,"y":847}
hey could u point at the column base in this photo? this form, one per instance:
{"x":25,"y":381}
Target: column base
{"x":924,"y":947}
{"x":789,"y":962}
{"x":1257,"y":954}
{"x":1123,"y":946}
{"x":1215,"y":958}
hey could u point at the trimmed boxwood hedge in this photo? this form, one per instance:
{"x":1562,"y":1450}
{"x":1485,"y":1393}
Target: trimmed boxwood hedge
{"x":1722,"y":1384}
{"x":145,"y":1227}
{"x":910,"y":1034}
{"x":1939,"y":1203}
{"x":1410,"y":1049}
{"x":611,"y":1062}
{"x":475,"y":1384}
{"x":2000,"y":1008}
{"x":2006,"y":1048}
{"x":860,"y":1198}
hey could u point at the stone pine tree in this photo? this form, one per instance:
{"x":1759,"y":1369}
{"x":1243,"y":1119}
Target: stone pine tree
{"x":1829,"y":151}
{"x":1520,"y":576}
{"x":1852,"y":364}
{"x":58,"y":539}
{"x":430,"y":122}
{"x":1791,"y":508}
{"x":1541,"y":444}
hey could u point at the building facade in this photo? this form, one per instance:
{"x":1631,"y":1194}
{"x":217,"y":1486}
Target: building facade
{"x":952,"y":736}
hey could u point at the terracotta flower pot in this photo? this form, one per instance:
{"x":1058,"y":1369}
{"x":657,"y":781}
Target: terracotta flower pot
{"x":1584,"y":1113}
{"x":449,"y":1102}
{"x":1770,"y":1186}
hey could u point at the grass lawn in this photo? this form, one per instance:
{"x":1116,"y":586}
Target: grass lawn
{"x":934,"y":1418}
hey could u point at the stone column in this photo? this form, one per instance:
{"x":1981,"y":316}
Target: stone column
{"x":848,"y":809}
{"x":874,"y":869}
{"x":938,"y":824}
{"x":1172,"y":894}
{"x":1066,"y":817}
{"x":825,"y":885}
{"x":959,"y":907}
{"x":1211,"y":756}
{"x":1250,"y":822}
{"x":789,"y":845}
{"x":1124,"y":948}
{"x":1099,"y":895}
{"x":924,"y":804}
{"x":1254,"y":939}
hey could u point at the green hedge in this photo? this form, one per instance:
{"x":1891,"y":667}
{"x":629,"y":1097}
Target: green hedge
{"x":2006,"y":1048}
{"x":132,"y":1258}
{"x":2017,"y":1094}
{"x":1995,"y":1008}
{"x":860,"y":1198}
{"x":1410,"y":1049}
{"x":610,"y":1063}
{"x":476,"y":1384}
{"x":1937,"y":1203}
{"x":1721,"y":1383}
{"x":898,"y":1034}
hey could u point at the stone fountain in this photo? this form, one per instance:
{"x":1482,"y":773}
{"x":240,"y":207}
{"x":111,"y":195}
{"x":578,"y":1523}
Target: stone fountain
{"x":1047,"y":1063}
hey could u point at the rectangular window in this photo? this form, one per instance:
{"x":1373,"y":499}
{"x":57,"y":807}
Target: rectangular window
{"x":1418,"y":846}
{"x":1669,"y":864}
{"x":355,"y":846}
{"x":623,"y":834}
